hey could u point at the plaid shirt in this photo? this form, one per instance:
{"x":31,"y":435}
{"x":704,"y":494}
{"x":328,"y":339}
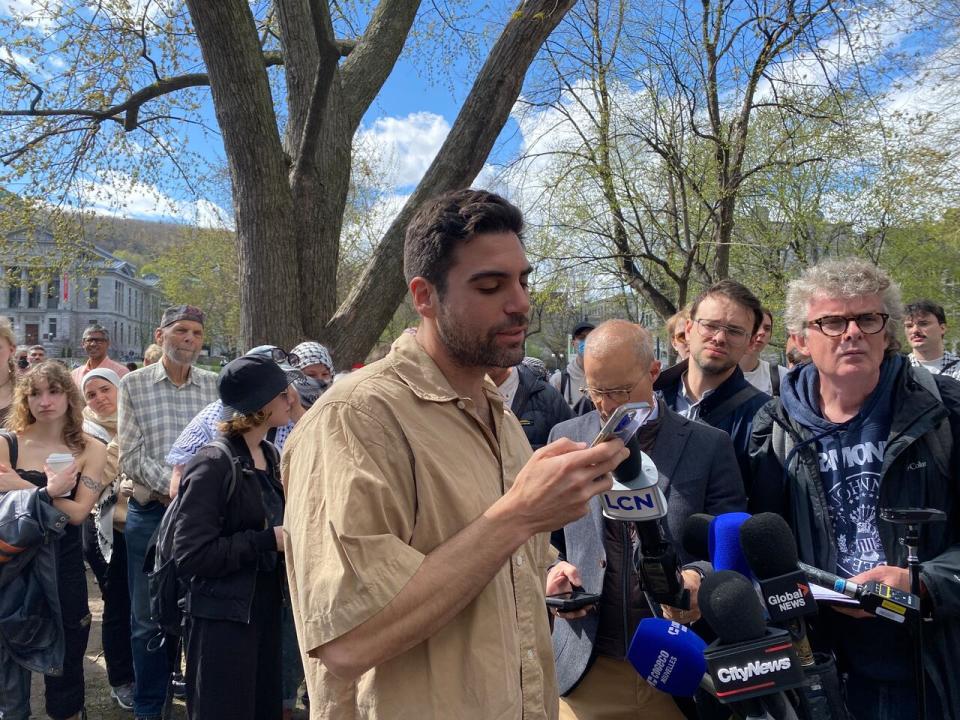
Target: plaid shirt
{"x":949,"y":360}
{"x":152,"y":411}
{"x":203,"y":428}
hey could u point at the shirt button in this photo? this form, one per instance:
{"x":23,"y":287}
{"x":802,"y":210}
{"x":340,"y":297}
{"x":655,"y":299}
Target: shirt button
{"x":530,"y":654}
{"x":520,"y":561}
{"x":461,"y":405}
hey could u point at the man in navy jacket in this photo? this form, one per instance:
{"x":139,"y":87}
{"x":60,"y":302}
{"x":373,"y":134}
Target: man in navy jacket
{"x":709,"y":386}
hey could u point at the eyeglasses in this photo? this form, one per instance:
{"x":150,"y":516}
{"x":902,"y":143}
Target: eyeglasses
{"x":682,"y":337}
{"x":282,"y":356}
{"x":711,"y":328}
{"x":618,"y":395}
{"x":836,"y":325}
{"x":94,"y":340}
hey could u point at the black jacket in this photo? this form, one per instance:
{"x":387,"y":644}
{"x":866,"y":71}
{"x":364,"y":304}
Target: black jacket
{"x":30,"y":620}
{"x":921,"y":468}
{"x":737,"y":421}
{"x":538,"y":406}
{"x":220,"y":547}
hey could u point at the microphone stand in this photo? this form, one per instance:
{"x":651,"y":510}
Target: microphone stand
{"x":913,"y":518}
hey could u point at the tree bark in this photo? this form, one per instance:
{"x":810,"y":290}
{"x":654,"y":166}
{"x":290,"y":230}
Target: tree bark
{"x":361,"y":318}
{"x":265,"y":224}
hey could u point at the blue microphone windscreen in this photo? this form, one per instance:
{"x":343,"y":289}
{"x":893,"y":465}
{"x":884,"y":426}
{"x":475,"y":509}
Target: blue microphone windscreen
{"x":668,"y":655}
{"x":725,"y":550}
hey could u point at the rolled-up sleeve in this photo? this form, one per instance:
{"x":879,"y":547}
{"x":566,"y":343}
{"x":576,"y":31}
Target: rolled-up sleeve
{"x":350,"y":516}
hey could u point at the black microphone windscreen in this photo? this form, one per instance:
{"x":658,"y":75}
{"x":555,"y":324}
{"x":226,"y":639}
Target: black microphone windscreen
{"x":632,"y":467}
{"x":768,"y":545}
{"x":696,"y":535}
{"x":731,"y":607}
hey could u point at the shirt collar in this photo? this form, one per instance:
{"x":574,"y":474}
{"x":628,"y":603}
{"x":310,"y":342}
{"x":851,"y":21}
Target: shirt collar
{"x":160,"y":374}
{"x":422,"y":375}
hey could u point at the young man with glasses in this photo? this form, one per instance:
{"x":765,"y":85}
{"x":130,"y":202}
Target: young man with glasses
{"x":700,"y":474}
{"x":709,"y":386}
{"x":96,"y":343}
{"x":854,"y":430}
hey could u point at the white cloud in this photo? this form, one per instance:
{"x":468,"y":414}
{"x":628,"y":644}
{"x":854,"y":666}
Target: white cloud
{"x":401,"y":149}
{"x":114,"y":193}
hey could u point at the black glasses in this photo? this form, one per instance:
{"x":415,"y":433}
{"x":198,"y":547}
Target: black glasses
{"x":95,"y":340}
{"x":711,"y":328}
{"x":282,"y":356}
{"x":836,"y":325}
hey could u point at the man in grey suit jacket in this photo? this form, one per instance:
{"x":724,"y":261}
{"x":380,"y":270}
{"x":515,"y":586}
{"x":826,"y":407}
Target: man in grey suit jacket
{"x":699,"y":473}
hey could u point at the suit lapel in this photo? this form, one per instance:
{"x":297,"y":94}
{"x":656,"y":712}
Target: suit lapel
{"x":671,"y":440}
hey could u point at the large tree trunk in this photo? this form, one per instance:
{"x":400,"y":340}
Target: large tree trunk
{"x":265,"y":221}
{"x":367,"y":310}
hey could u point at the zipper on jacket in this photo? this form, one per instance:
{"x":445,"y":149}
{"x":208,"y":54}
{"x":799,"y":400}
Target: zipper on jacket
{"x":627,"y":573}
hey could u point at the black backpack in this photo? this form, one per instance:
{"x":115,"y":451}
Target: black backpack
{"x":167,"y":590}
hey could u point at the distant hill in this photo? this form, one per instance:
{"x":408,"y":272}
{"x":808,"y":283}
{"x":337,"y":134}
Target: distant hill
{"x":137,"y":240}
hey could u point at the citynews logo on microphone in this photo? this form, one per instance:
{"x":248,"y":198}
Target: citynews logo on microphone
{"x":742,"y":673}
{"x":758,"y":667}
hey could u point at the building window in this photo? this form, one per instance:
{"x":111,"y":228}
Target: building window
{"x":118,"y":295}
{"x":53,"y":328}
{"x":33,"y":294}
{"x":93,"y":293}
{"x":130,"y":300}
{"x":123,"y":335}
{"x":53,"y":293}
{"x":14,"y":289}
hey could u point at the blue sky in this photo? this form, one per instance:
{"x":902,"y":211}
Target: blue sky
{"x":406,"y":124}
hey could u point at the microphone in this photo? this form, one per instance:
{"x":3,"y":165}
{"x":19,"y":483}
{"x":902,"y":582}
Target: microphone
{"x":771,"y":553}
{"x":723,"y":542}
{"x":770,"y":548}
{"x":875,"y":598}
{"x":636,"y":497}
{"x":750,"y":663}
{"x":669,"y":656}
{"x":696,"y":535}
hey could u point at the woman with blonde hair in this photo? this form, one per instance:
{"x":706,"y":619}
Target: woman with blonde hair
{"x":46,"y":421}
{"x":8,"y":367}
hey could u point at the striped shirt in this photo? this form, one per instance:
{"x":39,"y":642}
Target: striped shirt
{"x":152,"y":412}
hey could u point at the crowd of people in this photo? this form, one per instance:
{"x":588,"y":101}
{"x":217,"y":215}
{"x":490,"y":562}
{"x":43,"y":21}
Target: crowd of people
{"x":390,"y":538}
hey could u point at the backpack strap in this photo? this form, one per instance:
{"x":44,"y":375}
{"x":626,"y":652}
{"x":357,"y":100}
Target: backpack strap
{"x":11,"y":439}
{"x":949,"y":365}
{"x":724,"y":409}
{"x":775,"y":380}
{"x":564,"y":383}
{"x":224,"y":446}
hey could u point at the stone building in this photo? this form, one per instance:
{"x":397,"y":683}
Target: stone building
{"x":50,"y":302}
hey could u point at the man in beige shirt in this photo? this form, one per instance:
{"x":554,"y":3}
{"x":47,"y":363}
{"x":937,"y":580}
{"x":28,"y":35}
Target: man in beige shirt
{"x":416,"y":517}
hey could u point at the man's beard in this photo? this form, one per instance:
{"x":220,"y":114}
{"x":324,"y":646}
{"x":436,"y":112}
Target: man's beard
{"x":713,"y":366}
{"x":179,"y":356}
{"x":471,"y":351}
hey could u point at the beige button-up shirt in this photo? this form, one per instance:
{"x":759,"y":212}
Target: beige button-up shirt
{"x":388,"y":466}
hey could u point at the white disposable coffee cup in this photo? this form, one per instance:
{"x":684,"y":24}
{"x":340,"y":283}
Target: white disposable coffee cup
{"x":58,"y":462}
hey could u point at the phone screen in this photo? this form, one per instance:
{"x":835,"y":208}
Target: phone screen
{"x":624,"y":422}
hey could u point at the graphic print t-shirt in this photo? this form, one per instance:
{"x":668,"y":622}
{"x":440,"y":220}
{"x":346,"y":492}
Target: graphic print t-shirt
{"x":850,"y":462}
